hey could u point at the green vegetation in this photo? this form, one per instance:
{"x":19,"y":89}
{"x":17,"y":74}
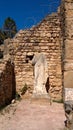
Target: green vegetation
{"x":58,"y":101}
{"x":9,"y":27}
{"x":8,"y":30}
{"x":24,"y":89}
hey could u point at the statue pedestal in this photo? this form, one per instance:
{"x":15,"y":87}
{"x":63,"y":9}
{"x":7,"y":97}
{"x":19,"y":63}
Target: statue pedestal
{"x":45,"y":98}
{"x":40,"y":95}
{"x":41,"y":99}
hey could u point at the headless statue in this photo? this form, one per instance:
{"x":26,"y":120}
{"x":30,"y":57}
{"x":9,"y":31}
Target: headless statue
{"x":40,"y":74}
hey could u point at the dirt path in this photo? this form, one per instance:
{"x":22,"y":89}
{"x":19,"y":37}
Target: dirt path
{"x":28,"y":115}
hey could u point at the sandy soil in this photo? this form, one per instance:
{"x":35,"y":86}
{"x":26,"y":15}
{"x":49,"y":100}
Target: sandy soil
{"x":32,"y":115}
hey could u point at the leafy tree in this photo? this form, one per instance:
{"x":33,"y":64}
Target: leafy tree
{"x":9,"y":28}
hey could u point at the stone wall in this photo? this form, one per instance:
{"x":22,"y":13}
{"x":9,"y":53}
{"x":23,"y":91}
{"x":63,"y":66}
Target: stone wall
{"x":7,"y":82}
{"x":46,"y":38}
{"x":53,"y":36}
{"x":67,"y":31}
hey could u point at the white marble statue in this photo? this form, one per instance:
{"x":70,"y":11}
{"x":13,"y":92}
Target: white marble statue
{"x":40,"y":74}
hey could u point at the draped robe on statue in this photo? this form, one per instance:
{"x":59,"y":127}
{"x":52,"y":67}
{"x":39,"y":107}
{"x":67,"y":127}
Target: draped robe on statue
{"x":40,"y":74}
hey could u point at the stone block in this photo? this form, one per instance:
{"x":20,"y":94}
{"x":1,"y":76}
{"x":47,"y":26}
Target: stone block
{"x":68,"y":79}
{"x":69,"y":13}
{"x":68,"y":94}
{"x":69,"y":49}
{"x":68,"y":65}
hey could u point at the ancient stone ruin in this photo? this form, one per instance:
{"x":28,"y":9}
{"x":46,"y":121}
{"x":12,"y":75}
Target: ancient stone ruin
{"x":53,"y":36}
{"x":7,"y":82}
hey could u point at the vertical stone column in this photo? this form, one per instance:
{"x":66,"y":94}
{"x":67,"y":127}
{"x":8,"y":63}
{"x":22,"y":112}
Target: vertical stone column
{"x":68,"y":53}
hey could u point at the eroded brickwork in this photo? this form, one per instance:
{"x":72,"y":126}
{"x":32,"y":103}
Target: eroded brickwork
{"x":67,"y":31}
{"x":53,"y":36}
{"x":7,"y":82}
{"x":46,"y":38}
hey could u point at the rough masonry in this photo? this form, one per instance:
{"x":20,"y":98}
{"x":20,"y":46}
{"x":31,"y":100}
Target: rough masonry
{"x":46,"y":37}
{"x":67,"y":31}
{"x":53,"y":36}
{"x":7,"y":82}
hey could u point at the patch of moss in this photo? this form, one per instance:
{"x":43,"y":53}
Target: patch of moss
{"x":58,"y":101}
{"x":24,"y":89}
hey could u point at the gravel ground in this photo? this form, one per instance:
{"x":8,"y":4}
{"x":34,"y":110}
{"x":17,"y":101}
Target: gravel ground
{"x":32,"y":115}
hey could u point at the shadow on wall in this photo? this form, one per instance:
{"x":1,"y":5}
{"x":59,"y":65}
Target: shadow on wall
{"x":13,"y":83}
{"x":47,"y":85}
{"x":1,"y":54}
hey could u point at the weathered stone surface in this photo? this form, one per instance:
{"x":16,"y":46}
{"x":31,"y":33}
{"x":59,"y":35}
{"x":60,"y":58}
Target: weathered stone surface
{"x":53,"y":36}
{"x":68,"y":79}
{"x":69,"y":49}
{"x":68,"y":94}
{"x":67,"y":30}
{"x":46,"y":38}
{"x":6,"y":49}
{"x":68,"y":105}
{"x":7,"y":82}
{"x":68,"y":65}
{"x":40,"y":75}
